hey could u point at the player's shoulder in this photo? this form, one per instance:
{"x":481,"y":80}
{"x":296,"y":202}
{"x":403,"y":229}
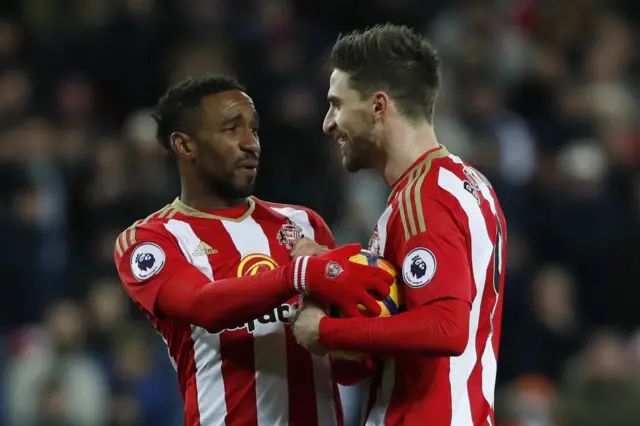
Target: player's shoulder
{"x":148,"y":228}
{"x":433,"y":184}
{"x":427,"y":192}
{"x":294,"y":212}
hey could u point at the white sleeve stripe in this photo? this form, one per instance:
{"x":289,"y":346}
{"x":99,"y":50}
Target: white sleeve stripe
{"x":296,"y":269}
{"x":303,"y":274}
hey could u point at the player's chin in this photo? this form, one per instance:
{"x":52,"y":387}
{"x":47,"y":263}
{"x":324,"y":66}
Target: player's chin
{"x":350,"y":164}
{"x":245,"y":188}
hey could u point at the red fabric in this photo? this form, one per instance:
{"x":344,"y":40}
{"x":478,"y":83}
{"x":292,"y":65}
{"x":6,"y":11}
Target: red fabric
{"x":182,"y":292}
{"x":331,"y":279}
{"x":215,"y":290}
{"x":437,"y":329}
{"x":349,"y":373}
{"x":444,"y":230}
{"x":192,"y":303}
{"x":444,"y":239}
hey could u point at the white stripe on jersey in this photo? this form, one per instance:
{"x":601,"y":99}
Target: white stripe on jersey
{"x":382,"y":228}
{"x":206,"y":347}
{"x":325,"y":404}
{"x":481,"y":252}
{"x":299,"y":217}
{"x":383,"y":397}
{"x":269,"y":343}
{"x":387,"y":382}
{"x":489,"y":361}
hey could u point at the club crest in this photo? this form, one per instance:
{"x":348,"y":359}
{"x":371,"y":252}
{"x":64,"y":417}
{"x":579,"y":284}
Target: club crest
{"x":333,"y":269}
{"x":374,"y":242}
{"x":289,"y":234}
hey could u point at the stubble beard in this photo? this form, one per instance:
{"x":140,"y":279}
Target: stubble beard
{"x":361,"y":152}
{"x":225,"y":187}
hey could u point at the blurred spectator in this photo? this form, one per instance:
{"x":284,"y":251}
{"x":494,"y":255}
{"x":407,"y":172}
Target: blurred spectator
{"x":52,"y":380}
{"x":529,"y":401}
{"x":541,"y":96}
{"x":543,"y":337}
{"x":107,"y":315}
{"x":600,"y":388}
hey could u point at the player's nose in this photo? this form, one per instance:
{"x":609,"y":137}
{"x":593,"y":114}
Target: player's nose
{"x":250,"y":143}
{"x":328,"y":125}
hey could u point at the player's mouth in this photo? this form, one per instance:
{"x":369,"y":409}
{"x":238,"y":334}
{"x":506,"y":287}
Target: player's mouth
{"x":250,"y":166}
{"x":342,"y":139}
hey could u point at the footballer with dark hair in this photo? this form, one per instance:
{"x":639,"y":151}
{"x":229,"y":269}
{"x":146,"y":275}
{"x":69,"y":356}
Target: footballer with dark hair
{"x":212,"y":271}
{"x":443,"y":228}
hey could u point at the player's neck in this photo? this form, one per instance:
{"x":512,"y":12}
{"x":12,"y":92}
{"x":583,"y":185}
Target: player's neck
{"x":405,"y":144}
{"x":200,"y":199}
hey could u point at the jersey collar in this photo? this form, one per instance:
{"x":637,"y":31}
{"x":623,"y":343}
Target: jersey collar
{"x":237,"y":214}
{"x":421,"y":165}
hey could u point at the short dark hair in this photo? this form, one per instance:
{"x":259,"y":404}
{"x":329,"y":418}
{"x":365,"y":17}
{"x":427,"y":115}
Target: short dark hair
{"x":395,"y":59}
{"x":175,"y":109}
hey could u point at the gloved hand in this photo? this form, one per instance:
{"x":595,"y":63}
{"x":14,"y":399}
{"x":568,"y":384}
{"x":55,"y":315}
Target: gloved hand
{"x":331,"y":278}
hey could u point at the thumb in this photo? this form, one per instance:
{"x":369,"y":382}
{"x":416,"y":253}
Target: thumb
{"x":347,"y":250}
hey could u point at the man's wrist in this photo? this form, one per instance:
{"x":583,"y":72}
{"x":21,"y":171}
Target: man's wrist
{"x":326,"y":331}
{"x":297,"y":274}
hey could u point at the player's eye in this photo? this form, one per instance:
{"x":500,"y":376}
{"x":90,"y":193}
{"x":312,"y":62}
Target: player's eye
{"x":254,"y":130}
{"x":230,"y":129}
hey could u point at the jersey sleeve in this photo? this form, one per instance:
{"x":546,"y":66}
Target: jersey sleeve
{"x":147,"y":259}
{"x":323,"y":235}
{"x":433,"y":254}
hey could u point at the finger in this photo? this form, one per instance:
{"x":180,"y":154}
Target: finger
{"x":298,"y":246}
{"x":369,"y":271}
{"x":371,"y":305}
{"x":301,"y":241}
{"x":375,"y":279}
{"x":383,"y":275}
{"x":347,"y":250}
{"x":380,"y":288}
{"x":293,"y":315}
{"x":311,"y":302}
{"x":302,"y":244}
{"x":351,"y":311}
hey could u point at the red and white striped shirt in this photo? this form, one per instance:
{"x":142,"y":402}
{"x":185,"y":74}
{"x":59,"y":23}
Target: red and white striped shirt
{"x":254,"y":374}
{"x":444,"y":228}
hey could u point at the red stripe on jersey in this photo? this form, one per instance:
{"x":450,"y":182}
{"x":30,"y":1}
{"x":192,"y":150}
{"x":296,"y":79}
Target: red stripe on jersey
{"x":234,"y":367}
{"x":374,"y":388}
{"x":337,"y":399}
{"x":236,"y":351}
{"x":480,"y":407}
{"x":238,"y":371}
{"x":180,"y":346}
{"x":302,"y":407}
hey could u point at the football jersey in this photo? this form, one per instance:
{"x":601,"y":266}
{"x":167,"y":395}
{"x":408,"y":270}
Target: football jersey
{"x":444,"y":229}
{"x":254,"y":374}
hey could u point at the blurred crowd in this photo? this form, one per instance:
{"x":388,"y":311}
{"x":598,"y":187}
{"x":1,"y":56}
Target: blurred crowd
{"x":542,"y":96}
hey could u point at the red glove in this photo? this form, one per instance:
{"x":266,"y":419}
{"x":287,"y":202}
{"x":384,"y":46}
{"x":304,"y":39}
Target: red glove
{"x":332,"y":278}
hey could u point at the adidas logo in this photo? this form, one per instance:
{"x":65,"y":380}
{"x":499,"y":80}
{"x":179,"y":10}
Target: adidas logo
{"x":204,"y":249}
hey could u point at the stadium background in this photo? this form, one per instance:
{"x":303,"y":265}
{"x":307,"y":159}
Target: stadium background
{"x":542,"y":96}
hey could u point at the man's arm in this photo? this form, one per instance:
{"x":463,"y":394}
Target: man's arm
{"x":437,"y":294}
{"x":345,"y":372}
{"x":159,"y":279}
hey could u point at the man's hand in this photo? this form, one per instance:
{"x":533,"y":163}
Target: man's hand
{"x":305,"y":321}
{"x":307,"y":247}
{"x":332,"y":279}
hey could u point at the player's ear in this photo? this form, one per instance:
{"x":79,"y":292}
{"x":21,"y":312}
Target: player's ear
{"x":379,"y":104}
{"x":183,"y":145}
